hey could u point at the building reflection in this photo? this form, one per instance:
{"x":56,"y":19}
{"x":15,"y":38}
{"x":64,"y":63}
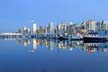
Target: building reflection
{"x":62,"y":45}
{"x":26,"y":42}
{"x":65,"y":45}
{"x":99,"y":47}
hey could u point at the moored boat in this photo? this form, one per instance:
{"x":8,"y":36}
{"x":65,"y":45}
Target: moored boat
{"x":94,"y":39}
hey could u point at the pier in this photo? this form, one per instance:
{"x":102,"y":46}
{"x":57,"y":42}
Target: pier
{"x":10,"y":35}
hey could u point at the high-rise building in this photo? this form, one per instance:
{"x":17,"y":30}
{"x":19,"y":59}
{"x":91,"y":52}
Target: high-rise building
{"x":83,"y":28}
{"x":41,"y":30}
{"x":46,"y":30}
{"x":64,"y":27}
{"x":34,"y":27}
{"x":70,"y":28}
{"x":83,"y":25}
{"x":91,"y":25}
{"x":102,"y":26}
{"x":26,"y":31}
{"x":51,"y":28}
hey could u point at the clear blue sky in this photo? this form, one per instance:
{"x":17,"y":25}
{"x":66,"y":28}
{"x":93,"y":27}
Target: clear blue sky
{"x":18,"y":13}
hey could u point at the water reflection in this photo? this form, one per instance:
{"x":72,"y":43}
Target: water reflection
{"x":73,"y":56}
{"x":64,"y":45}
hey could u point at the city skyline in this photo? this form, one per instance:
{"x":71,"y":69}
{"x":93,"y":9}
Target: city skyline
{"x":68,"y":27}
{"x":89,"y":28}
{"x":89,"y":21}
{"x":18,"y":13}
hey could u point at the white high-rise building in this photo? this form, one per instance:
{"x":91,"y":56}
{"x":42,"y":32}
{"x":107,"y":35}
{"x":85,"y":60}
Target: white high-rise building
{"x":91,"y":25}
{"x":34,"y":27}
{"x":104,"y":25}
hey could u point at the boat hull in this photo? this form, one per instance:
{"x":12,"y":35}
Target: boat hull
{"x":94,"y":39}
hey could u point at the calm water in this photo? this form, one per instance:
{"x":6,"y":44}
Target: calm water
{"x":35,"y":55}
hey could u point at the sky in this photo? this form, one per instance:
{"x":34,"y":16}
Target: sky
{"x":16,"y":14}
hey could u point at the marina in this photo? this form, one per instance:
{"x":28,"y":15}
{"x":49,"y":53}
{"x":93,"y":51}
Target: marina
{"x":72,"y":38}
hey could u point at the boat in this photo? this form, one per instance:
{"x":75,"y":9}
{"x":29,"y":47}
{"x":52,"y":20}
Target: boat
{"x":94,"y":37}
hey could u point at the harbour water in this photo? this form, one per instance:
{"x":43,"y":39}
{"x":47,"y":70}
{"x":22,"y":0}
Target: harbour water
{"x":41,"y":55}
